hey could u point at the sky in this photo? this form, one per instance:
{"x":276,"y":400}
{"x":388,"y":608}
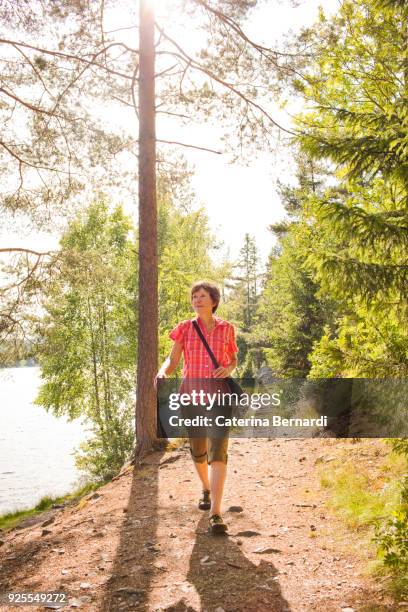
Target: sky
{"x":238,"y":198}
{"x":243,"y":199}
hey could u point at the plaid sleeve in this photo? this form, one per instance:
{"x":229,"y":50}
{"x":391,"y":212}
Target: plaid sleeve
{"x":232,"y":345}
{"x":177,"y":334}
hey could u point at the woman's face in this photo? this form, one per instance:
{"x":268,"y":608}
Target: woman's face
{"x":202,"y":302}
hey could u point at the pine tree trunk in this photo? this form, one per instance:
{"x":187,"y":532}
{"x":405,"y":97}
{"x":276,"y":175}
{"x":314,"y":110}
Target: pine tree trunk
{"x":148,"y":274}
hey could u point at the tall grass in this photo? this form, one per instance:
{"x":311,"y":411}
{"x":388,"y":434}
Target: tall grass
{"x":365,"y":491}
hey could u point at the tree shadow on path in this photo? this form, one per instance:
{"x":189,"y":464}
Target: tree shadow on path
{"x":224,"y":577}
{"x":133,"y":568}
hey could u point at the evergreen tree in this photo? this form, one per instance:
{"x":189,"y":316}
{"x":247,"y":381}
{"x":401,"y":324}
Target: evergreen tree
{"x":245,"y":292}
{"x":291,"y":312}
{"x":359,"y":123}
{"x":242,"y":303}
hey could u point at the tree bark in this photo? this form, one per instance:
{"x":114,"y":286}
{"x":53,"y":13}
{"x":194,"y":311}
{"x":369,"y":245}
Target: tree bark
{"x":147,"y":359}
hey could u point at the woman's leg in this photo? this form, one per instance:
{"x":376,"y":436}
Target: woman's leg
{"x":198,"y":449}
{"x":217,"y":480}
{"x":202,"y":471}
{"x":217,"y":457}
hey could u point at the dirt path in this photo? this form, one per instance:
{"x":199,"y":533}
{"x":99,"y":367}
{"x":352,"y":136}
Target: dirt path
{"x":140,"y":543}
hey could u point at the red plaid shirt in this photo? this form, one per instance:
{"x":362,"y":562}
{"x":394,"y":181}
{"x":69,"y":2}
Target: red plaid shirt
{"x":197,"y":362}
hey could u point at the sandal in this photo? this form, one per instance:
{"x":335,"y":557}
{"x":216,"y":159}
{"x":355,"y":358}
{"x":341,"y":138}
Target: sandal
{"x":217,"y":525}
{"x":205,"y":503}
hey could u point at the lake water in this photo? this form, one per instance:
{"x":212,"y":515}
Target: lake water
{"x":36,"y":448}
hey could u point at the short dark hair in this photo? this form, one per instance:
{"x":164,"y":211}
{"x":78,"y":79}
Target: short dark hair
{"x":210,"y":288}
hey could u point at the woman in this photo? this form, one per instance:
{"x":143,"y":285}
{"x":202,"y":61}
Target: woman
{"x":220,"y":336}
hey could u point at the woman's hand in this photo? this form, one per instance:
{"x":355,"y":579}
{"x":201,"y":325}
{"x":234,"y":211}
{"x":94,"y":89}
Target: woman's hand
{"x":158,"y":375}
{"x":222,"y":372}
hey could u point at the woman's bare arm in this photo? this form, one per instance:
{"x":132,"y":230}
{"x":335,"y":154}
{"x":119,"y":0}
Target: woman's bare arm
{"x":172,"y":361}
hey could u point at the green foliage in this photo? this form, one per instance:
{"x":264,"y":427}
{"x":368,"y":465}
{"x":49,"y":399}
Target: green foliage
{"x":391,"y":536}
{"x":353,"y":497}
{"x":362,"y":344}
{"x":291,"y":313}
{"x":356,"y":89}
{"x":392,"y":539}
{"x":357,"y":120}
{"x":241,"y":307}
{"x":100,"y":461}
{"x":363,"y":497}
{"x":88,"y":340}
{"x":362,"y":240}
{"x":400,"y":446}
{"x":248,"y":281}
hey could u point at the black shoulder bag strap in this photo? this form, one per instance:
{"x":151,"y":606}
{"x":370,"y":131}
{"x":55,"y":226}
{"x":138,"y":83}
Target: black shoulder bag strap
{"x":204,"y":341}
{"x":233,"y":385}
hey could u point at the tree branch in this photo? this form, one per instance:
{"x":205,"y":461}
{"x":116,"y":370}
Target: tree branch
{"x":23,"y":250}
{"x":70,"y":56}
{"x":36,"y":109}
{"x":183,"y":144}
{"x":194,"y":64}
{"x":30,"y":164}
{"x":265,"y":51}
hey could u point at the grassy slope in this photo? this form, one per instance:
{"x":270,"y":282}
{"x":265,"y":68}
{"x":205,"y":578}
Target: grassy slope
{"x":363,"y":483}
